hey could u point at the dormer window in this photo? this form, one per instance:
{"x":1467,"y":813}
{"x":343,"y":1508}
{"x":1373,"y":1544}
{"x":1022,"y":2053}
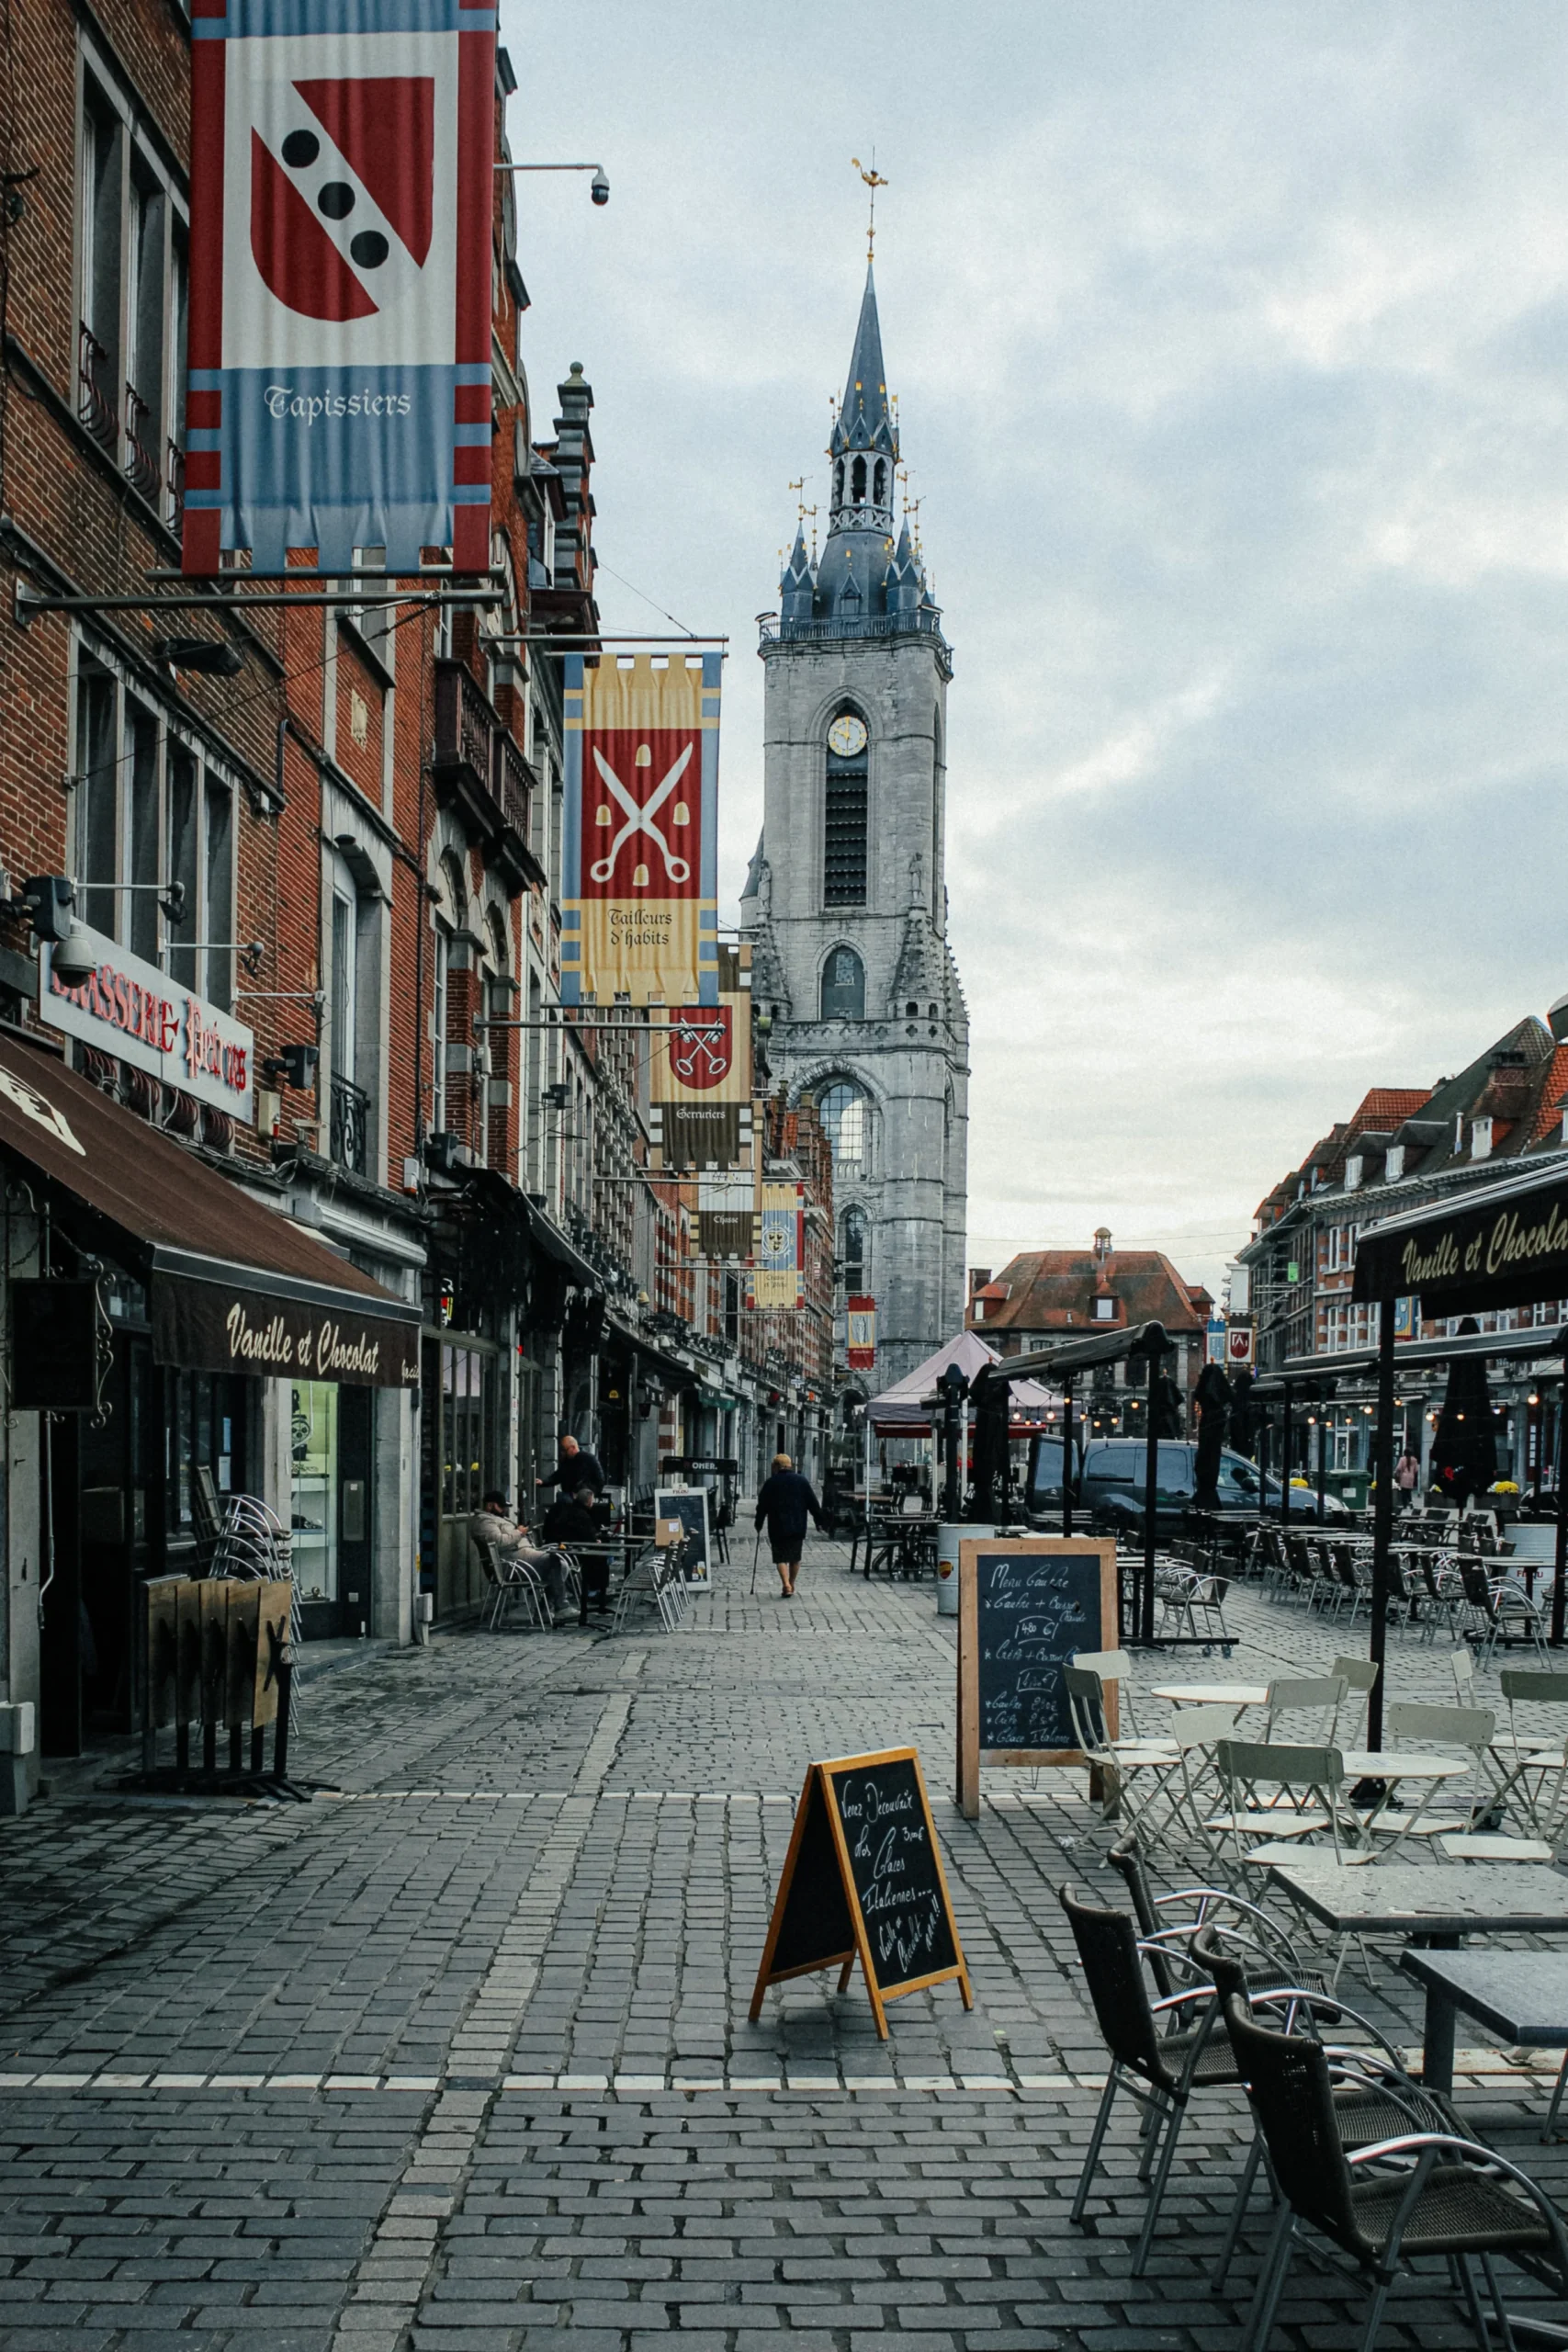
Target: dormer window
{"x":1353,"y":1172}
{"x":1481,"y":1138}
{"x":1105,"y":1310}
{"x":1394,"y":1164}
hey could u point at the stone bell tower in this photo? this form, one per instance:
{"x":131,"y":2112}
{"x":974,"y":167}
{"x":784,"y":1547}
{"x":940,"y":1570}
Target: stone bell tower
{"x":846,"y":902}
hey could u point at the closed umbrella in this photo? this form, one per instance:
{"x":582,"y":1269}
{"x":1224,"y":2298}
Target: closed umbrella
{"x":1464,"y":1452}
{"x":1214,"y":1397}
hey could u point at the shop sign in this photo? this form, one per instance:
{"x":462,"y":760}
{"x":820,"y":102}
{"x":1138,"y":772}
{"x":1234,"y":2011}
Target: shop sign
{"x":131,"y":1010}
{"x":211,"y":1326}
{"x":1238,"y":1345}
{"x":1496,"y":1252}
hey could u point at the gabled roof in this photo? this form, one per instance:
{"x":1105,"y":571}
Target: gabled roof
{"x":1051,"y":1289}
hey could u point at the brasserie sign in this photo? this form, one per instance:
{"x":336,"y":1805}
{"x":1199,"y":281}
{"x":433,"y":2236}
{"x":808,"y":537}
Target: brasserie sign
{"x":130,"y":1009}
{"x":1465,"y":1259}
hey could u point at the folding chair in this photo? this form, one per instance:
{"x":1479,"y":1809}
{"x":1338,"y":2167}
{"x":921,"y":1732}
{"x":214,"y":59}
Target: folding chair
{"x":1132,"y":1770}
{"x":1413,"y":1722}
{"x":1311,"y":1781}
{"x":1533,"y":1769}
{"x":1290,"y":1695}
{"x":1359,"y":1676}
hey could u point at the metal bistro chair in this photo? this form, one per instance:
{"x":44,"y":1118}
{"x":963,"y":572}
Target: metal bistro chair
{"x":1164,"y":1936}
{"x":1500,"y":1612}
{"x":1376,"y":2097}
{"x":1132,"y":1772}
{"x":1534,"y":1769}
{"x":1155,"y":2065}
{"x":511,"y":1579}
{"x":1291,"y":1695}
{"x":1413,"y":1722}
{"x":1416,"y":2193}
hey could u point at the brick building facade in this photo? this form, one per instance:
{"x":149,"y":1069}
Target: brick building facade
{"x":357,"y":788}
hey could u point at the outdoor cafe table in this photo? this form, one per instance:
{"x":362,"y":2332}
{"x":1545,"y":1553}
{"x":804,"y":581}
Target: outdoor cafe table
{"x":608,"y":1548}
{"x":1211,"y":1694}
{"x":1521,"y":1996}
{"x":1391,"y":1765}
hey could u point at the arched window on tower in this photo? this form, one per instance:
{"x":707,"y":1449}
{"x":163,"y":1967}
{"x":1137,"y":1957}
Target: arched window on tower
{"x":845,"y":813}
{"x":858,"y":480}
{"x":881,"y":482}
{"x":839,"y":483}
{"x":854,"y":1257}
{"x":842,"y":1110}
{"x":843,"y":986}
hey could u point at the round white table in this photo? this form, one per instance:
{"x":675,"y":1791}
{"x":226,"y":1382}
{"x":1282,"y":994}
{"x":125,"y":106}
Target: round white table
{"x":1211,"y":1694}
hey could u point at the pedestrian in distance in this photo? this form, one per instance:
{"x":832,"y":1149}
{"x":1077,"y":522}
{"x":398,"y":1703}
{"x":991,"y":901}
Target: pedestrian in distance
{"x":571,"y":1519}
{"x":785,"y":1503}
{"x":489,"y":1524}
{"x":576,"y":1467}
{"x":1407,"y":1477}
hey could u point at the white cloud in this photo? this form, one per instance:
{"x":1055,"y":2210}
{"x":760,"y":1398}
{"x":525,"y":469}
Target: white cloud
{"x":1231,"y":343}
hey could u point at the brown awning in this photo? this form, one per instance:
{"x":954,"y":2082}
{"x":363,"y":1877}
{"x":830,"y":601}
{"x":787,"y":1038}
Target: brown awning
{"x":231,"y":1286}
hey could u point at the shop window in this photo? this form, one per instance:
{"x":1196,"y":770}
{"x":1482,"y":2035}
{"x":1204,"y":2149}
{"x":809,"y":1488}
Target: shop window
{"x":208,"y":1429}
{"x":313,"y":1452}
{"x":465,"y":1469}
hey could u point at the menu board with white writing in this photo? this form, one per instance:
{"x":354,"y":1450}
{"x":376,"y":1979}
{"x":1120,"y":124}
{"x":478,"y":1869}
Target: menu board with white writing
{"x":864,"y":1880}
{"x":1032,"y":1614}
{"x":1027,"y":1606}
{"x":897,"y":1878}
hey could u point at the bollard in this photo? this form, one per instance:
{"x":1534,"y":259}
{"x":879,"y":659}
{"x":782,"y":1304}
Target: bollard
{"x":285,"y":1693}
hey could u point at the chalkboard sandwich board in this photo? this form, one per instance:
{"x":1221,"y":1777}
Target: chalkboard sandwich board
{"x":1026,"y":1607}
{"x":864,"y":1880}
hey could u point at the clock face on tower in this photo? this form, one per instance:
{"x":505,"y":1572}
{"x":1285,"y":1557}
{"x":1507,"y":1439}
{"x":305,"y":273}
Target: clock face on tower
{"x":847,"y":736}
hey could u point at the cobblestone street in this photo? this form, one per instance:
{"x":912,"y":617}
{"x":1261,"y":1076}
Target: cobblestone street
{"x":457,"y":2056}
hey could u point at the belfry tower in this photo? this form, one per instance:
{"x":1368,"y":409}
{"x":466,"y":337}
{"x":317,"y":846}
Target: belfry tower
{"x":846,"y":902}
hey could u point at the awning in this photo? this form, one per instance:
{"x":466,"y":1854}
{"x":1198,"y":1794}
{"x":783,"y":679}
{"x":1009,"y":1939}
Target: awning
{"x":231,"y":1286}
{"x":1414,"y":1355}
{"x":1504,"y":1246}
{"x":1091,"y":1354}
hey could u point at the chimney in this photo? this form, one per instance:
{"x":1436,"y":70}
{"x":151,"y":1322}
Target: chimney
{"x":978,"y":1277}
{"x":1101,"y":1244}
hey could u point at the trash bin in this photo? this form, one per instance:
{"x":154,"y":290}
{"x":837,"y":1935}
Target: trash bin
{"x":948,"y":1539}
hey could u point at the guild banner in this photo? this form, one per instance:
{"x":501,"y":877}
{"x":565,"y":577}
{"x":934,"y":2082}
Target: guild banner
{"x":701,"y":1108}
{"x":861,"y":1334}
{"x":640,"y":886}
{"x":778,"y":1249}
{"x":341,"y":193}
{"x":726,"y":1208}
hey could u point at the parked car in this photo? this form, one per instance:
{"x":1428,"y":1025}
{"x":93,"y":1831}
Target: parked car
{"x":1110,"y":1485}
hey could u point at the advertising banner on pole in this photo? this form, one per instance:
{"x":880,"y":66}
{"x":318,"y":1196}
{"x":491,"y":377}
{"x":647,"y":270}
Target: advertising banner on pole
{"x":701,"y":1108}
{"x":778,"y":1273}
{"x":639,"y":852}
{"x":342,"y":191}
{"x":863,"y":1334}
{"x":726,"y":1205}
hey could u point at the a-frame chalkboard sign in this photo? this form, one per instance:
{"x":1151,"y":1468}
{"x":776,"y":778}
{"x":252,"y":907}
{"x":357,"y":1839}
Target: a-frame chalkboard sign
{"x":863,"y":1879}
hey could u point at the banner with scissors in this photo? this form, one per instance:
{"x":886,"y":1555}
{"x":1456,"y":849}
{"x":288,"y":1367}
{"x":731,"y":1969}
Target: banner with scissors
{"x":701,"y":1106}
{"x":639,"y":886}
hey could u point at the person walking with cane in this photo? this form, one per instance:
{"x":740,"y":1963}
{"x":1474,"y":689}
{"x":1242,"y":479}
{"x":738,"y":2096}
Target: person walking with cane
{"x":785,"y":1503}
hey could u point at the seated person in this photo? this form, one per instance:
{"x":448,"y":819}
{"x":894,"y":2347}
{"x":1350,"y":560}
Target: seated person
{"x":571,"y":1519}
{"x":489,"y":1524}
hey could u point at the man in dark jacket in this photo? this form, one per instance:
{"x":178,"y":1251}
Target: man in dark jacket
{"x":786,"y":1502}
{"x":571,"y":1520}
{"x":577,"y":1467}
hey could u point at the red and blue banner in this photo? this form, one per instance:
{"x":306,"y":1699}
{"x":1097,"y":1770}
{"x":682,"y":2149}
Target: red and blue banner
{"x":341,"y":187}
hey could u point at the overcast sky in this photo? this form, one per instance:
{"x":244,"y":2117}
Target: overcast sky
{"x":1232,"y":349}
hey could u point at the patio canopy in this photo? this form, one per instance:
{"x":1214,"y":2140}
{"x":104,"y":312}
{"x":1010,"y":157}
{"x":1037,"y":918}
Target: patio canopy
{"x":905,"y":1409}
{"x":1412,"y":1355}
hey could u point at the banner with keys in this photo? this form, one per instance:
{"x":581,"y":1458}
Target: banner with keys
{"x":640,"y":886}
{"x":701,"y":1108}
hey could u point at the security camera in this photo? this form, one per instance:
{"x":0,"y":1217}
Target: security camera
{"x":71,"y":960}
{"x":599,"y":188}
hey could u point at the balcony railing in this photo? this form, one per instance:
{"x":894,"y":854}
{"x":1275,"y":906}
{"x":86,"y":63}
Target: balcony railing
{"x":476,"y":750}
{"x":140,"y":463}
{"x":513,"y":783}
{"x":349,"y":1126}
{"x":465,"y":723}
{"x":93,"y":406}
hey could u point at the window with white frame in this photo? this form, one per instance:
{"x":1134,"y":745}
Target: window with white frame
{"x":132,"y":293}
{"x":152,"y":809}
